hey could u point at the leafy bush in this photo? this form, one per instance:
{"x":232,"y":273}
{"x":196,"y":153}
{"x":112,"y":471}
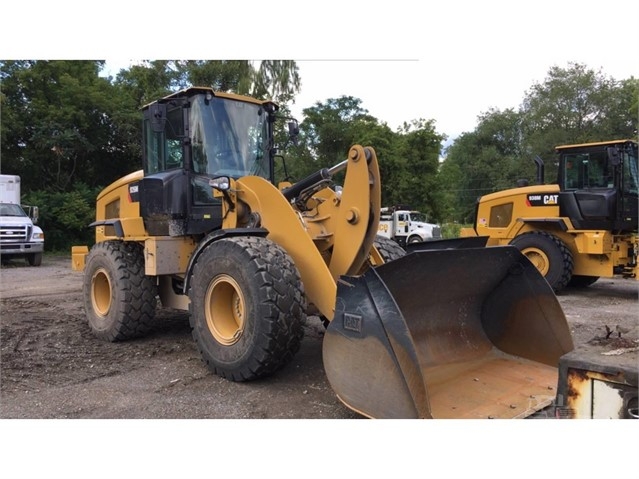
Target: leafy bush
{"x":451,"y":230}
{"x":65,"y":216}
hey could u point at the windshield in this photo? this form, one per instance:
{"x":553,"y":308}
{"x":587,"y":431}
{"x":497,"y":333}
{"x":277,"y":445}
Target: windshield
{"x":414,"y":216}
{"x":9,"y":209}
{"x":229,"y":138}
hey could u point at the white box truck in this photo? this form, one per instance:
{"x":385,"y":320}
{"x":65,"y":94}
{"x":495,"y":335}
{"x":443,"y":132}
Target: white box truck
{"x":19,"y":236}
{"x":406,"y":226}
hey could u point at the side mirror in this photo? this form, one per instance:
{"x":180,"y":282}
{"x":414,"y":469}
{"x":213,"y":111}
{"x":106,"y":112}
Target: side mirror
{"x":220,"y":183}
{"x":614,"y":158}
{"x":157,"y":113}
{"x":293,"y":131}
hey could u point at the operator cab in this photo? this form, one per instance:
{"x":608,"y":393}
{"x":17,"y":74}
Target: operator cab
{"x":598,"y":183}
{"x":189,"y":138}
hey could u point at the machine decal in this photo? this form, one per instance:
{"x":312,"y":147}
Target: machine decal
{"x":542,"y":200}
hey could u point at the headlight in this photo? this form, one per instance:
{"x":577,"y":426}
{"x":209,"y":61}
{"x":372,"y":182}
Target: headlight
{"x":37,"y":235}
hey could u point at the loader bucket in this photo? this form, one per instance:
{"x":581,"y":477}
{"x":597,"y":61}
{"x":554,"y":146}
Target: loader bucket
{"x":461,"y":333}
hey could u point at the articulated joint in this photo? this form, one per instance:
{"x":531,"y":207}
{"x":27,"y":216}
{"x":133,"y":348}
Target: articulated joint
{"x":354,"y":154}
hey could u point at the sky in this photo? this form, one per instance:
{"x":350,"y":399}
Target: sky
{"x":443,"y":61}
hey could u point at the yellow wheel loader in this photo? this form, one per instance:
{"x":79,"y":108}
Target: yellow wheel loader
{"x":453,"y":333}
{"x":575,"y":231}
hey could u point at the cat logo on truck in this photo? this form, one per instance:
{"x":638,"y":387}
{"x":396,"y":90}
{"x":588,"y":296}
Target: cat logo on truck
{"x":542,"y":200}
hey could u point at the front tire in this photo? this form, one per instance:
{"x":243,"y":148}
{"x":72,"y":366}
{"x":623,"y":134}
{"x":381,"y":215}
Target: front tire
{"x":388,"y":249}
{"x":119,"y":299}
{"x":34,"y":259}
{"x":247,"y":307}
{"x":549,"y":255}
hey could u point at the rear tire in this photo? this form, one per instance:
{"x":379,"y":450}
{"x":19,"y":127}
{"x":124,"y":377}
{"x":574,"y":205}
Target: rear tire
{"x":579,"y":281}
{"x":34,"y":259}
{"x":247,"y":307}
{"x":549,"y":255}
{"x":119,"y":299}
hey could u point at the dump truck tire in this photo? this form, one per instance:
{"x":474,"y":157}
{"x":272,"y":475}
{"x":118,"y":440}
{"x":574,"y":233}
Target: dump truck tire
{"x":248,"y":307}
{"x":119,"y":299}
{"x":549,"y":255}
{"x":388,"y":248}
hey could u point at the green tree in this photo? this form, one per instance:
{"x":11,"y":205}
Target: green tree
{"x":59,"y":124}
{"x":330,"y":129}
{"x":577,"y":105}
{"x":64,"y":216}
{"x":417,"y":147}
{"x":488,"y":159}
{"x":449,"y":198}
{"x":408,"y":159}
{"x":149,"y":80}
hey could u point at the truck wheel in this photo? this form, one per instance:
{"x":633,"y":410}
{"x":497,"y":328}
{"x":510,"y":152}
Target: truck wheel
{"x":34,"y":259}
{"x":247,"y":307}
{"x":549,"y":255}
{"x":415,"y":239}
{"x":388,"y":248}
{"x":119,"y":299}
{"x":579,"y":281}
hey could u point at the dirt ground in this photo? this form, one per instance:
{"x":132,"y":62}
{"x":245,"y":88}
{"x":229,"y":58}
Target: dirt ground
{"x":53,"y":367}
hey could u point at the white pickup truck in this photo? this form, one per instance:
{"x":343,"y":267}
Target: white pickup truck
{"x":19,"y":236}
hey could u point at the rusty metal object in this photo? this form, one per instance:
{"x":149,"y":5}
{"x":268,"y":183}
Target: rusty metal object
{"x":591,"y":386}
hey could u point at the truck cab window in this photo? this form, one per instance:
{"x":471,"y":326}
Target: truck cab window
{"x":630,"y":172}
{"x":587,"y":170}
{"x":164,"y":148}
{"x":571,"y":173}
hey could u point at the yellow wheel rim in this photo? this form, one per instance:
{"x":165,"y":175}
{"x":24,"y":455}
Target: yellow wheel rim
{"x":224,"y":310}
{"x":101,"y":292}
{"x":538,"y":258}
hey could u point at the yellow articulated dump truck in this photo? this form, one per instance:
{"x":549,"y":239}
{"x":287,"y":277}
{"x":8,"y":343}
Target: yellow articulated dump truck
{"x":579,"y":229}
{"x":449,"y":333}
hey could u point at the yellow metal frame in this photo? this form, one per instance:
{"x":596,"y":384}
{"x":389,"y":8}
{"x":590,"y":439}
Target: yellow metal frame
{"x":333,"y":238}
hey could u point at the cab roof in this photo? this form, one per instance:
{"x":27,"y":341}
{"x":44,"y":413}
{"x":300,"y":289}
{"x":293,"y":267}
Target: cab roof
{"x":600,"y":143}
{"x":191,"y":91}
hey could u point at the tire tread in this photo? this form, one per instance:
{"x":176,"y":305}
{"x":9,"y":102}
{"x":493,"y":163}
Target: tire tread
{"x":282,"y":310}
